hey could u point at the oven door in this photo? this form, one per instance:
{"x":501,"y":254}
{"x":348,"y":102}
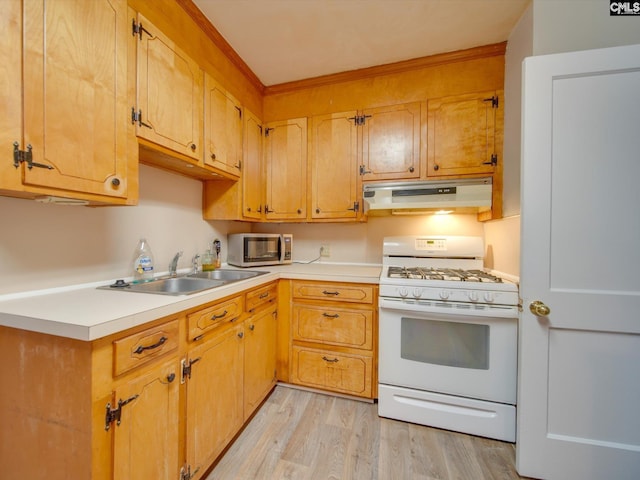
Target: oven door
{"x":433,"y":346}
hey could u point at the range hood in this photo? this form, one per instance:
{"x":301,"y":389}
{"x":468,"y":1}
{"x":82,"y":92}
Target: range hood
{"x":463,"y":195}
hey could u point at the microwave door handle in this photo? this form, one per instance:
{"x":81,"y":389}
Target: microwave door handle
{"x":280,"y":248}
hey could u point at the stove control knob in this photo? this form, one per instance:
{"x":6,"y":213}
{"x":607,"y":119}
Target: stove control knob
{"x":473,"y":296}
{"x":403,"y":292}
{"x":444,"y":295}
{"x":417,"y":292}
{"x":489,"y":297}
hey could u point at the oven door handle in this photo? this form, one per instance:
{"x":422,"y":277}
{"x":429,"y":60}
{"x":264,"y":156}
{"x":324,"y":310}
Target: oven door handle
{"x":448,"y":308}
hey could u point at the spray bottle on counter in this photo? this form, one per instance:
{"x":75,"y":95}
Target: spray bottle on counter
{"x":142,"y":262}
{"x":217,"y":245}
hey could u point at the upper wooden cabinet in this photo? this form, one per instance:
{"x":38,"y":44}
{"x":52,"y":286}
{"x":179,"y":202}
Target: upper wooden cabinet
{"x":286,"y":169}
{"x":464,"y":134}
{"x":223,"y":128}
{"x":333,"y":161}
{"x":253,"y":168}
{"x":63,"y":87}
{"x":169,"y":106}
{"x":391,"y":142}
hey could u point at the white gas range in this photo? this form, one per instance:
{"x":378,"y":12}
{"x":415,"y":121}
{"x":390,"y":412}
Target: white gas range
{"x":448,"y":337}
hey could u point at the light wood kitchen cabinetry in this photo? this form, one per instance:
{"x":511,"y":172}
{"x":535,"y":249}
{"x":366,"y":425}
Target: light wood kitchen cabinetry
{"x":170,"y":94}
{"x":214,"y":395}
{"x":244,"y":199}
{"x":63,"y":87}
{"x":146,"y":435}
{"x":333,"y":163}
{"x":222,"y":128}
{"x":465,"y":134}
{"x":156,"y":401}
{"x":253,"y":190}
{"x":333,"y":328}
{"x":391,"y":147}
{"x":285,"y":148}
{"x":230,"y":370}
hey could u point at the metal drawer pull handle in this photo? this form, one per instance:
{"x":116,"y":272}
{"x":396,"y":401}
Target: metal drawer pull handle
{"x":328,"y":315}
{"x":141,"y":349}
{"x":330,"y":293}
{"x":264,"y":295}
{"x":334,"y":360}
{"x":222,"y":315}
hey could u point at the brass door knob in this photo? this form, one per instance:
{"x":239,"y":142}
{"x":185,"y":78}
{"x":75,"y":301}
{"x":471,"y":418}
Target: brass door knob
{"x":539,"y":309}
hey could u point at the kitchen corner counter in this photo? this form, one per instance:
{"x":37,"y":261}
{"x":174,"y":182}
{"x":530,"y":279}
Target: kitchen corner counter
{"x":86,"y":313}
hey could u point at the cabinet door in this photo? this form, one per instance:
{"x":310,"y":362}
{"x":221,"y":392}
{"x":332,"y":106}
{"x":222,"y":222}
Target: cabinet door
{"x":214,"y":397}
{"x":146,"y":440}
{"x":170,"y":93}
{"x":462,"y":134}
{"x":253,"y":172}
{"x":75,"y":104}
{"x":286,"y":163}
{"x":334,"y":166}
{"x":223,"y":128}
{"x":391,"y":142}
{"x":259,"y":358}
{"x":10,"y":92}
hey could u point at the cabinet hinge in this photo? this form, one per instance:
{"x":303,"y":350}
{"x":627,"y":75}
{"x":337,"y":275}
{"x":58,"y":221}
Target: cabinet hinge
{"x":355,"y":208}
{"x":186,"y":368}
{"x":239,"y":111}
{"x":137,"y":29}
{"x":185,"y":472}
{"x":493,"y":100}
{"x":493,"y":161}
{"x":266,"y":131}
{"x":359,"y":120}
{"x":238,"y":166}
{"x":137,"y":117}
{"x":114,"y":415}
{"x":363,"y":170}
{"x":20,"y":156}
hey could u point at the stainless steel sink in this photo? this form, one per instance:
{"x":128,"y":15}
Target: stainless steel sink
{"x":185,"y":285}
{"x":227,"y":275}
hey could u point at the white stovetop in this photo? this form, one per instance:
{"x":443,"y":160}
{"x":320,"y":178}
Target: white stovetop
{"x":85,"y":313}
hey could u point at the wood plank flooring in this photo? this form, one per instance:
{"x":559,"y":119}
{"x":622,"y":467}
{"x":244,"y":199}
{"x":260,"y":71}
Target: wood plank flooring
{"x":302,"y":435}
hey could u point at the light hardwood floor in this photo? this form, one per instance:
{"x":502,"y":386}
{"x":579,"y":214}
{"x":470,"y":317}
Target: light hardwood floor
{"x":301,"y":435}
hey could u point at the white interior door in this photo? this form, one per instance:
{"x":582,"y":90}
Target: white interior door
{"x":579,"y":365}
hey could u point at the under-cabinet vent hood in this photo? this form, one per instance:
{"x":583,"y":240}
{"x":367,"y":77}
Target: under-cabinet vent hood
{"x":471,"y":195}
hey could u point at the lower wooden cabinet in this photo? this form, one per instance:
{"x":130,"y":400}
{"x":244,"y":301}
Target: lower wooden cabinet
{"x":149,"y":412}
{"x":329,"y":370}
{"x":333,"y":337}
{"x":213,"y":396}
{"x":154,"y":402}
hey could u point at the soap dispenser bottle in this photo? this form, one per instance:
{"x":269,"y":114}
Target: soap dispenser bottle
{"x":142,"y":262}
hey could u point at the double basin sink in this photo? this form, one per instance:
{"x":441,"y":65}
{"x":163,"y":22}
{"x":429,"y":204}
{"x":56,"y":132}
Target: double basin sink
{"x":185,"y":284}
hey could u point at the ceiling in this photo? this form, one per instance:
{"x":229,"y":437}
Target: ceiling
{"x":287,"y":40}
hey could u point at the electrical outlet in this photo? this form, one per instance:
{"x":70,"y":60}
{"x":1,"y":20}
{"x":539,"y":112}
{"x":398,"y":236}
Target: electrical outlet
{"x":325,"y":251}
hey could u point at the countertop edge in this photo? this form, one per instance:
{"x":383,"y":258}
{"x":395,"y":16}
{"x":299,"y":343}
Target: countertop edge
{"x":166,"y":306}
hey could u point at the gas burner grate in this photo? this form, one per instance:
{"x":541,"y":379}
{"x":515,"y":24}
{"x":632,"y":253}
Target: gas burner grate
{"x":450,"y":274}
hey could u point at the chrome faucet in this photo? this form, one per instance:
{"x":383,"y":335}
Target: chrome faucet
{"x":173,"y":266}
{"x":194,"y":263}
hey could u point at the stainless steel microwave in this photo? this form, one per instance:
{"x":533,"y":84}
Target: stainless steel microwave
{"x":255,"y":249}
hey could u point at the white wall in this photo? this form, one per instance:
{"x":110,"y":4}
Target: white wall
{"x":44,"y":246}
{"x":362,"y":243}
{"x":570,"y":25}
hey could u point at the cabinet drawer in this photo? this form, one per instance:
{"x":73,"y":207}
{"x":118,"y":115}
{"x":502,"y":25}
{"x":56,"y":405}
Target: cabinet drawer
{"x":209,"y":318}
{"x":336,"y":292}
{"x":344,"y":373}
{"x":333,"y":326}
{"x":142,"y":347}
{"x":261,"y":296}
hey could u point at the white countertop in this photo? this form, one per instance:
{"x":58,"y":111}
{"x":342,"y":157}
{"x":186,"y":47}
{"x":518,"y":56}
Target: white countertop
{"x":86,"y":313}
